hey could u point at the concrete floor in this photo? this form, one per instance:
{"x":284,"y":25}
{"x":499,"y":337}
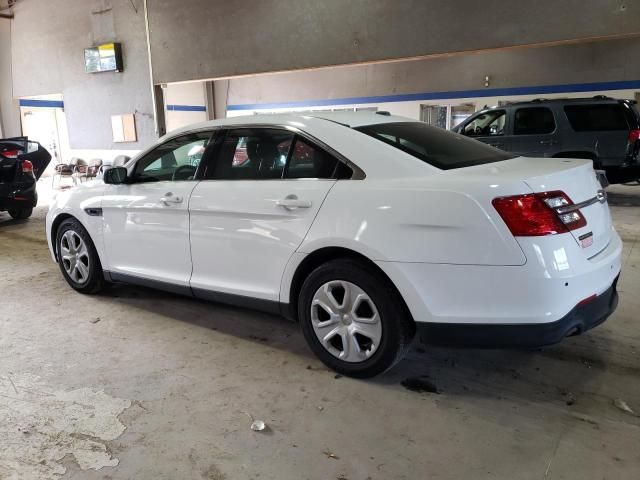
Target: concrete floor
{"x":164,"y":387}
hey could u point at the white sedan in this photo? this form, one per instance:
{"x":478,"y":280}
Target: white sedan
{"x":363,"y":227}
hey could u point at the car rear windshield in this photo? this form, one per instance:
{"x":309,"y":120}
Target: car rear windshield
{"x":435,"y":146}
{"x":594,"y":118}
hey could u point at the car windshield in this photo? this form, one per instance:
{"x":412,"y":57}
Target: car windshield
{"x":435,"y":146}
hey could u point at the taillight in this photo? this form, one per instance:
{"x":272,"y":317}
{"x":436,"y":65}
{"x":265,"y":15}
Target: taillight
{"x":537,"y":214}
{"x":634,"y":136}
{"x":10,"y":153}
{"x":27,"y":166}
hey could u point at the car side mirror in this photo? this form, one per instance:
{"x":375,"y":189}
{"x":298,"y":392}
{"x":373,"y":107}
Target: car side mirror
{"x":115,"y":176}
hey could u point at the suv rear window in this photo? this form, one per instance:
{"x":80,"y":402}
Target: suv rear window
{"x":591,"y":118}
{"x":435,"y":146}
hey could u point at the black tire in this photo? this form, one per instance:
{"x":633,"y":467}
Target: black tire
{"x":95,"y":278}
{"x":21,"y":213}
{"x":398,"y":327}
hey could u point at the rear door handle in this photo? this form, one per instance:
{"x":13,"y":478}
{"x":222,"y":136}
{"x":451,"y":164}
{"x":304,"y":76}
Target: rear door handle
{"x":291,"y":202}
{"x":170,"y":199}
{"x":548,"y":142}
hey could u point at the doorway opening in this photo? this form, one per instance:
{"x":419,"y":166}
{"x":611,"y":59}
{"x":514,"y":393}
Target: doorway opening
{"x":43,"y":120}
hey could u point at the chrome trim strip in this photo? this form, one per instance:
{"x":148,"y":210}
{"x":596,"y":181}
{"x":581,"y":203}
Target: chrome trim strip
{"x":601,"y":197}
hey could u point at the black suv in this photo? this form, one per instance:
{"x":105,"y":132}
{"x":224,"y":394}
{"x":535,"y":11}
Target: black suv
{"x":21,"y":164}
{"x":601,"y":129}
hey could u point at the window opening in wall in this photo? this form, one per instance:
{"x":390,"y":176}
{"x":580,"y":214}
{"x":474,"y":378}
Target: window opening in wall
{"x":435,"y":115}
{"x":459,"y":113}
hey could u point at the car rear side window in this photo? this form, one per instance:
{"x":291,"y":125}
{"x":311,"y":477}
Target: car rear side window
{"x":307,"y":160}
{"x":251,"y":154}
{"x":593,"y":118}
{"x":435,"y":146}
{"x":533,"y":121}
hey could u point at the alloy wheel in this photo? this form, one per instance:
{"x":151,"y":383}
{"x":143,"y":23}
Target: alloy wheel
{"x":346,"y":321}
{"x":75,"y":256}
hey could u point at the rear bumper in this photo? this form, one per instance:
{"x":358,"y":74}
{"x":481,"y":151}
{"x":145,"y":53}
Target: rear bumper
{"x":582,"y":318}
{"x":18,"y":196}
{"x":557,"y":277}
{"x":9,"y":203}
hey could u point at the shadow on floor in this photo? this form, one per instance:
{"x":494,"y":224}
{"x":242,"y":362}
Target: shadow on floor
{"x":544,"y":375}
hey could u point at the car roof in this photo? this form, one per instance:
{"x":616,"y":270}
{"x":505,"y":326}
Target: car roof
{"x":333,"y":129}
{"x":298,"y":119}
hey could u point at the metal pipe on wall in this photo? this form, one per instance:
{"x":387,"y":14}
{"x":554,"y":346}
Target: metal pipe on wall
{"x":156,"y":100}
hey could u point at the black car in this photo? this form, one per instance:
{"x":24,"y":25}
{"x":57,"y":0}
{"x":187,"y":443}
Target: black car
{"x":602,"y":129}
{"x":21,"y":165}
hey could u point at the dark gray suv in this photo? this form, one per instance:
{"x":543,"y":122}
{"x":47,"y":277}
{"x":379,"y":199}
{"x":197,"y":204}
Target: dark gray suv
{"x":602,"y":129}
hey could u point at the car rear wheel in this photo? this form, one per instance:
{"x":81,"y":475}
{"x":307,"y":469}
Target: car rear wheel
{"x":78,"y":259}
{"x":20,"y":213}
{"x":353,"y":318}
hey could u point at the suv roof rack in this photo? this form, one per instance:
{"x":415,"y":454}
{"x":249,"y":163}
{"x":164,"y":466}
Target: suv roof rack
{"x":566,"y":99}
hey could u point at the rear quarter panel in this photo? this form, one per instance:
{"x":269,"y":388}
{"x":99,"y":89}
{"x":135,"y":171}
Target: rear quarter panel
{"x":440,"y":219}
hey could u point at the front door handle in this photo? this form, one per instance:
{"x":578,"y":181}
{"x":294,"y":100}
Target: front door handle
{"x":548,"y":142}
{"x":170,"y":199}
{"x":291,"y":202}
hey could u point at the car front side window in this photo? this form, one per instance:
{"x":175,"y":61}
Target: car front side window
{"x":486,"y":124}
{"x":176,"y":159}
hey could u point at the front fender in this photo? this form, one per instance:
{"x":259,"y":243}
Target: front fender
{"x":75,"y":203}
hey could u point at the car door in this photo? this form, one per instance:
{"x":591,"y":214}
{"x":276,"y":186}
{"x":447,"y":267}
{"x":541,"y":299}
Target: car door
{"x":534,"y":132}
{"x":488,"y":126}
{"x":146,"y":220}
{"x":261,"y":191}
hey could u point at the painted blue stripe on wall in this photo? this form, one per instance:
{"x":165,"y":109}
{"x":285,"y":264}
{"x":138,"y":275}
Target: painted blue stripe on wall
{"x":41,"y":103}
{"x":186,"y":108}
{"x":485,"y":92}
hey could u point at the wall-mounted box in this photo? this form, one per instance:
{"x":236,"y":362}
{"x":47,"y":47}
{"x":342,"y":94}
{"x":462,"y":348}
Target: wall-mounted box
{"x":124,"y":128}
{"x":103,"y":58}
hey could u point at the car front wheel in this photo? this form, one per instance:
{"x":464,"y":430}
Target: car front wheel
{"x":77,"y":257}
{"x":353,"y":318}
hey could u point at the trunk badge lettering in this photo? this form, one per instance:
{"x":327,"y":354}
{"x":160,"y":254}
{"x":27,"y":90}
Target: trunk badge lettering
{"x":586,"y":240}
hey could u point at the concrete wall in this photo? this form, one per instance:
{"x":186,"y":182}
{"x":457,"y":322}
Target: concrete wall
{"x":47,"y":54}
{"x":605,"y":61}
{"x":9,"y":113}
{"x":200,"y":39}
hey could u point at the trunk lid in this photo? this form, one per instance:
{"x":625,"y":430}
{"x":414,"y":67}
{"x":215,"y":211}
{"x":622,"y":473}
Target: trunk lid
{"x":579,"y":181}
{"x":575,"y":177}
{"x":26,"y":150}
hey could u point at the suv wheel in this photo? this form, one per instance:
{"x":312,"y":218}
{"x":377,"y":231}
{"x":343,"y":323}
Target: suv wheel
{"x":353,"y":319}
{"x":20,"y":213}
{"x":78,"y":258}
